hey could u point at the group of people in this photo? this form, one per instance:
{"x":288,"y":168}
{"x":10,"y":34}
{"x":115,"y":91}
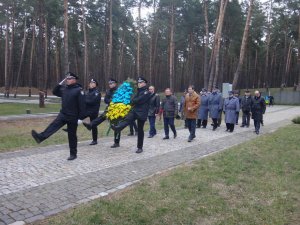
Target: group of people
{"x":147,"y":105}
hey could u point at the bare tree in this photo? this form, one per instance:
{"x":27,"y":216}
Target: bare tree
{"x":243,"y":46}
{"x":206,"y":46}
{"x":31,"y":59}
{"x":66,"y":40}
{"x":86,"y":66}
{"x":298,"y":87}
{"x":6,"y":94}
{"x":172,"y":47}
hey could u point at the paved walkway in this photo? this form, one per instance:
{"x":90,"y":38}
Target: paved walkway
{"x":40,"y":182}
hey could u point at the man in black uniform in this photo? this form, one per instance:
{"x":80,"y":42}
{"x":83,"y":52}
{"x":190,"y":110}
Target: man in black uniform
{"x":72,"y":109}
{"x":113,"y":86}
{"x":92,"y":102}
{"x":138,"y":112}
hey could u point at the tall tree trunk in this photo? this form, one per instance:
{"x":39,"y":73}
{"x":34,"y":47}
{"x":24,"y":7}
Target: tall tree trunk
{"x":217,"y":43}
{"x":21,"y":60}
{"x":121,"y":55}
{"x":66,"y":39}
{"x":266,"y":73}
{"x":11,"y":50}
{"x":287,"y":65}
{"x":109,"y":69}
{"x":86,"y":69}
{"x":31,"y":59}
{"x":57,"y":58}
{"x":206,"y":46}
{"x":46,"y":75}
{"x":172,"y":47}
{"x":138,"y":57}
{"x":243,"y":47}
{"x":298,"y":87}
{"x":151,"y":56}
{"x":6,"y":94}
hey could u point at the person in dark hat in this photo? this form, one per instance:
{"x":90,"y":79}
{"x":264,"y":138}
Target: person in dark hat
{"x":113,"y":86}
{"x":139,"y":112}
{"x":230,"y":108}
{"x":92,"y":101}
{"x":215,"y":105}
{"x":203,"y":110}
{"x":72,"y":109}
{"x":246,"y":104}
{"x":258,"y":109}
{"x":237,"y":95}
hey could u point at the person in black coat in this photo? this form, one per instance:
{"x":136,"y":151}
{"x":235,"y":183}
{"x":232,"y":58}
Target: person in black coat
{"x":154,"y":105}
{"x":258,"y":109}
{"x":139,"y":112}
{"x":113,"y":86}
{"x":246,"y":104}
{"x":92,"y":101}
{"x":72,"y":109}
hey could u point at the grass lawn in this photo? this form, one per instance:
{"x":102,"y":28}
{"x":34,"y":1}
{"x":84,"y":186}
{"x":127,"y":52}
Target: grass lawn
{"x":16,"y":134}
{"x":20,"y":108}
{"x":253,"y":183}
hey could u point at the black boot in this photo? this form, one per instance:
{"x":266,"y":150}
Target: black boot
{"x":72,"y":157}
{"x":87,"y":125}
{"x":115,"y":145}
{"x":37,"y":137}
{"x":93,"y":143}
{"x":139,"y":150}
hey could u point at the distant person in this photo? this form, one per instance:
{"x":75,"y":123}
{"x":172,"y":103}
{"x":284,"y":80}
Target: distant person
{"x":271,"y":99}
{"x":191,"y":105}
{"x":203,"y":110}
{"x":169,"y":109}
{"x":72,"y":109}
{"x":237,"y":95}
{"x":231,"y":108}
{"x":246,"y":104}
{"x":258,"y":109}
{"x":153,"y":112}
{"x":215,"y":105}
{"x":181,"y":109}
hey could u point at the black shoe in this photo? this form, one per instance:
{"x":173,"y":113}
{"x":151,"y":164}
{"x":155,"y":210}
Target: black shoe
{"x":166,"y":137}
{"x":72,"y":157}
{"x":231,"y":131}
{"x":93,"y":143}
{"x":257,"y":132}
{"x":236,"y":123}
{"x":175,"y":135}
{"x":36,"y":136}
{"x":150,"y":136}
{"x":247,"y":126}
{"x":65,"y":130}
{"x":204,"y":127}
{"x":198,"y":126}
{"x":190,"y":139}
{"x":139,"y":150}
{"x":242,"y":125}
{"x":214,"y":128}
{"x":262,"y":124}
{"x":130,"y":134}
{"x":115,"y":145}
{"x":87,"y":125}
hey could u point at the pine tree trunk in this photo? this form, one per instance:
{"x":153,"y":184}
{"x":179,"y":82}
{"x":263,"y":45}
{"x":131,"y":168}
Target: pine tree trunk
{"x":206,"y":46}
{"x":172,"y":47}
{"x":66,"y":39}
{"x":6,"y":75}
{"x":138,"y":58}
{"x":243,"y":47}
{"x":31,"y":60}
{"x":21,"y":60}
{"x":86,"y":69}
{"x":57,"y":58}
{"x":109,"y":69}
{"x":298,"y":87}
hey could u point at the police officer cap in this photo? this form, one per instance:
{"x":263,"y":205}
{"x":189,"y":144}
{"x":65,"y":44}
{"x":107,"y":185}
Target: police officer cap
{"x":230,"y":92}
{"x":112,"y":81}
{"x":204,"y":90}
{"x":71,"y":75}
{"x":94,"y":81}
{"x":142,"y":79}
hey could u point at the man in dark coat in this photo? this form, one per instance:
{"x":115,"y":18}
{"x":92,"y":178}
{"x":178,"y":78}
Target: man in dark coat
{"x":258,"y":109}
{"x":230,"y":108}
{"x":237,"y":95}
{"x":215,"y":105}
{"x":72,"y":109}
{"x":138,"y":112}
{"x":169,"y":109}
{"x":113,"y":85}
{"x":246,"y":104}
{"x":154,"y":105}
{"x":92,"y":102}
{"x":203,"y":110}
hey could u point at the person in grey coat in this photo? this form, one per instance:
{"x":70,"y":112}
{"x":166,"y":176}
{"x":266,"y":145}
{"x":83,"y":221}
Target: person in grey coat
{"x":203,"y":110}
{"x":215,"y":106}
{"x":246,"y":105}
{"x":230,"y":108}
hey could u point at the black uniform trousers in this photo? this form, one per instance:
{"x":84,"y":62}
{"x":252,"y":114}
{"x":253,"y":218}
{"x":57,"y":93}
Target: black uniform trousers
{"x":58,"y":123}
{"x":201,"y":122}
{"x":130,"y":118}
{"x":230,"y":127}
{"x":246,"y":118}
{"x":94,"y":128}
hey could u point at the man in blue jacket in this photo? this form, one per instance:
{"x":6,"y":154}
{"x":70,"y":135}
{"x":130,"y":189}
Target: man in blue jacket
{"x":72,"y":109}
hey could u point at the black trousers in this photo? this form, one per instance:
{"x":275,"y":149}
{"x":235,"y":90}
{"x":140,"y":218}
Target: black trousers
{"x":220,"y":118}
{"x":246,"y":118}
{"x":117,"y":137}
{"x":192,"y":127}
{"x":94,"y":128}
{"x":133,"y":127}
{"x":257,"y":124}
{"x":58,"y":123}
{"x":131,"y":117}
{"x":201,"y":122}
{"x":215,"y":122}
{"x":97,"y":121}
{"x":237,"y":117}
{"x":230,"y":126}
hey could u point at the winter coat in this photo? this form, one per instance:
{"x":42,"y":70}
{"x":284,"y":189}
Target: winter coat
{"x":215,"y":105}
{"x":246,"y":104}
{"x":193,"y":102}
{"x":154,"y":105}
{"x":258,"y":108}
{"x":140,"y":103}
{"x":231,"y":108}
{"x":169,"y":106}
{"x":92,"y":101}
{"x":203,"y":109}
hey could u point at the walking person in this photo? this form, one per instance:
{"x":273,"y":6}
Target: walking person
{"x":230,"y":109}
{"x":169,"y":109}
{"x":138,"y":112}
{"x":113,"y":86}
{"x":203,"y":109}
{"x":246,"y":104}
{"x":237,"y":95}
{"x":92,"y":104}
{"x":72,"y":109}
{"x":215,"y":105}
{"x":191,"y":105}
{"x":258,"y":109}
{"x":154,"y":105}
{"x":181,"y":110}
